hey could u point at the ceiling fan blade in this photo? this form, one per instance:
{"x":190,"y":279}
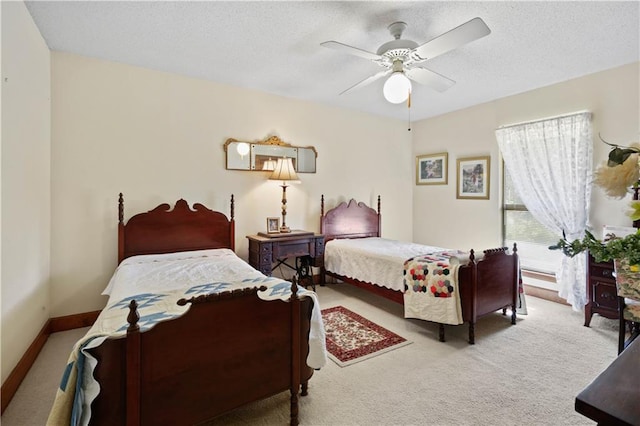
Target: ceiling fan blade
{"x":429,"y":78}
{"x":351,"y":50}
{"x":368,"y":80}
{"x":465,"y":33}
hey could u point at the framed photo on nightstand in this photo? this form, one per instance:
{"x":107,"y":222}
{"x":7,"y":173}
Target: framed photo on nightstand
{"x":273,"y":225}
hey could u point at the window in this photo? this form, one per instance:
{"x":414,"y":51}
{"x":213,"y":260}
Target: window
{"x":533,"y":239}
{"x":549,"y":162}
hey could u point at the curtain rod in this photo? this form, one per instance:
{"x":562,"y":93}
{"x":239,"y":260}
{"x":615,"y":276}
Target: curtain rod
{"x":544,"y":119}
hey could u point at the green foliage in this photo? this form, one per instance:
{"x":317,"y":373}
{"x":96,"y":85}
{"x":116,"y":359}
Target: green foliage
{"x":603,"y":251}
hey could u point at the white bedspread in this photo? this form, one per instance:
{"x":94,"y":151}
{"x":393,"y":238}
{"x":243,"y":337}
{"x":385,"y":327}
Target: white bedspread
{"x":157,"y":282}
{"x":164,"y":272}
{"x":376,"y":260}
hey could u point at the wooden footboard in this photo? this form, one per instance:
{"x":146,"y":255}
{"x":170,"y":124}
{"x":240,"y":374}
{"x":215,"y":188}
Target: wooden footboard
{"x":488,"y":285}
{"x":229,"y":349}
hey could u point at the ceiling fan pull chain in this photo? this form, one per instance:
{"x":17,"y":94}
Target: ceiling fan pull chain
{"x":409,"y":111}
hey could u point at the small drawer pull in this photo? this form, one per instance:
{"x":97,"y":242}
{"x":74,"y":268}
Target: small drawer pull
{"x":266,"y":248}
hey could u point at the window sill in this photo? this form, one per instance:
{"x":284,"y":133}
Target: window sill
{"x":544,"y":293}
{"x":543,"y":276}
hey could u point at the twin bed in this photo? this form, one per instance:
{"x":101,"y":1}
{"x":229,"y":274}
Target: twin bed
{"x":355,"y":253}
{"x":190,"y":330}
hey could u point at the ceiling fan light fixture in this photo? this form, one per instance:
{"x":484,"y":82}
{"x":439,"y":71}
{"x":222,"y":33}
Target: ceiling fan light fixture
{"x":397,"y":88}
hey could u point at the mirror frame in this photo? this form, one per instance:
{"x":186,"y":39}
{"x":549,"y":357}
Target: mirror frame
{"x":272,"y":141}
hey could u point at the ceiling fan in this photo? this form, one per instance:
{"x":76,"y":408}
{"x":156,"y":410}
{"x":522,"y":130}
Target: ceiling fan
{"x":401,"y":58}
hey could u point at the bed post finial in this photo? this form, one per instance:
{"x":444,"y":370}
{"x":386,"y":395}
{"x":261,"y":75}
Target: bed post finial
{"x":378,"y":204}
{"x":120,"y":209}
{"x":232,"y":207}
{"x":322,"y":205}
{"x":294,"y":287}
{"x":133,"y":317}
{"x":472,"y":255}
{"x":515,"y":248}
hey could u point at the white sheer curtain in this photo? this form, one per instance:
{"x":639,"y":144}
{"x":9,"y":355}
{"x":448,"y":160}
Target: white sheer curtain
{"x":550,"y":163}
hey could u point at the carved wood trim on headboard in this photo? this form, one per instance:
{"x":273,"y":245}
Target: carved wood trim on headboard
{"x":352,"y":220}
{"x":166,"y":230}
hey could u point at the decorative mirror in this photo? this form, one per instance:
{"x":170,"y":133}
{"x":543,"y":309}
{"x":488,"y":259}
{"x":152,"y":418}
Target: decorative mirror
{"x":262,"y":155}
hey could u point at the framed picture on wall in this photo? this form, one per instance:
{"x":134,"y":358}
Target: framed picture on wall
{"x":473,"y":178}
{"x":273,"y":225}
{"x":431,"y":169}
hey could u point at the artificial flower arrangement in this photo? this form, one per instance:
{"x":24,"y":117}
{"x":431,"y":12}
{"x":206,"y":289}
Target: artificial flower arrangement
{"x":619,"y":175}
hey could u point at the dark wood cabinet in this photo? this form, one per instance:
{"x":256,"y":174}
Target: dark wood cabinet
{"x":307,"y":248}
{"x":601,"y":291}
{"x":601,"y":285}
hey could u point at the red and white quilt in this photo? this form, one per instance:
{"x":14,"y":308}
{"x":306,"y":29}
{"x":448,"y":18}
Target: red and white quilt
{"x":431,"y":288}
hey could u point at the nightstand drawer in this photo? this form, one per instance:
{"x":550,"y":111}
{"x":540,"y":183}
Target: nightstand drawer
{"x":265,"y":249}
{"x":601,"y":271}
{"x":294,"y":249}
{"x":604,"y":295}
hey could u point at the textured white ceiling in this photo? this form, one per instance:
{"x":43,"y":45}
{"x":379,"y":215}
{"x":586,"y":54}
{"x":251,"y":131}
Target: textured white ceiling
{"x":274,"y":46}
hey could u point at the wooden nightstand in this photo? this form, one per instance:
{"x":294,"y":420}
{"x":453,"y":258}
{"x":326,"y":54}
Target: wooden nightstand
{"x":601,"y":291}
{"x":306,"y":247}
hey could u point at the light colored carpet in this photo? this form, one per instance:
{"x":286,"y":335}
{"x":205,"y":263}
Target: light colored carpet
{"x":31,"y":404}
{"x":527,"y":374}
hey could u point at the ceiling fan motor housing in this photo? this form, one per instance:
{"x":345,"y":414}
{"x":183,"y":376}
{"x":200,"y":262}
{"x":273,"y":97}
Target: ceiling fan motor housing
{"x":397,"y":48}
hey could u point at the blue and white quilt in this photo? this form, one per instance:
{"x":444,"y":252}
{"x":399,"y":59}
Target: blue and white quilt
{"x":156,"y":283}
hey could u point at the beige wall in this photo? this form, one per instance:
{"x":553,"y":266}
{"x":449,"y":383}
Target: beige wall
{"x":157,"y":137}
{"x":612,"y":96}
{"x":26,"y":174}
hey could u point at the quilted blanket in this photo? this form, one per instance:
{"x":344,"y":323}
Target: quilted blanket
{"x":72,"y":405}
{"x":431,"y":288}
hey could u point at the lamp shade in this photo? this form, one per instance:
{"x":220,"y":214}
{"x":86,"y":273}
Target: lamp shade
{"x":284,"y":170}
{"x":397,"y":88}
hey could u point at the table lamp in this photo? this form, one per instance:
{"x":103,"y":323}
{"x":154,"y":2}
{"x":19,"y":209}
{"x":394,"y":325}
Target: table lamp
{"x":284,"y":171}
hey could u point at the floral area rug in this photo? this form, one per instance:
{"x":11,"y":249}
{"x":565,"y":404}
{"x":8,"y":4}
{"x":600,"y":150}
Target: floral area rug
{"x":352,"y":338}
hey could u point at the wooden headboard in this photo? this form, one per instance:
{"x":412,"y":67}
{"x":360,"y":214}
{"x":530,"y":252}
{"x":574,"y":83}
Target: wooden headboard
{"x":163,"y":230}
{"x":352,"y":220}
